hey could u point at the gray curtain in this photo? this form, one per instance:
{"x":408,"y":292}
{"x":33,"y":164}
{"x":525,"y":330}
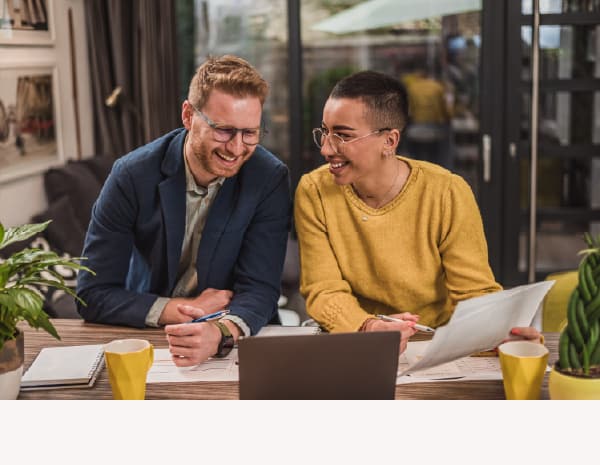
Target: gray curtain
{"x":132,"y":44}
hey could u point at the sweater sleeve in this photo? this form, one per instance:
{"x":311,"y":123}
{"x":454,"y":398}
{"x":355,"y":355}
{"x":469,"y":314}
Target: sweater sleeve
{"x":463,"y":246}
{"x":329,"y":298}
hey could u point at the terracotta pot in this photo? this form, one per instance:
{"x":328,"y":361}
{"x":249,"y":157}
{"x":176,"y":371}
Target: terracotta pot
{"x":12,"y":356}
{"x":567,"y":387}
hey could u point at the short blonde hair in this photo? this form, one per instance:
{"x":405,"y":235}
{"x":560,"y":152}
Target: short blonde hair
{"x":229,"y":74}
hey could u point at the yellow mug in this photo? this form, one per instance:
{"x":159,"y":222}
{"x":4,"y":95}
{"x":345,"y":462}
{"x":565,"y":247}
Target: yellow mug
{"x":523,"y":366}
{"x":128,"y":362}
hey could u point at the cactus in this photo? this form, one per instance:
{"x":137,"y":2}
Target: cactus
{"x":579,"y":344}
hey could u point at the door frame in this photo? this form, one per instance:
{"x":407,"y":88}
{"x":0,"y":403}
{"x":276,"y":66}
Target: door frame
{"x":492,"y":180}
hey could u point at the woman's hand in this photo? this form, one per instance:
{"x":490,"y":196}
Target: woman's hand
{"x":406,"y":316}
{"x":527,"y":333}
{"x":405,"y":327}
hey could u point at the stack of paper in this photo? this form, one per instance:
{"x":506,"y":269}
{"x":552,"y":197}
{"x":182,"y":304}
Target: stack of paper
{"x":477,"y":325}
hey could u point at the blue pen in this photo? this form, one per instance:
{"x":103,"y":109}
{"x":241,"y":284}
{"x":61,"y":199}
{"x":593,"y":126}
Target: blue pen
{"x":211,"y":316}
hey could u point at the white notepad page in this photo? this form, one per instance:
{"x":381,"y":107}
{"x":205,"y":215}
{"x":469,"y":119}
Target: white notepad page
{"x":69,"y":365}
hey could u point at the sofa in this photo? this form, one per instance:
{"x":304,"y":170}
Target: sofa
{"x":71,"y":190}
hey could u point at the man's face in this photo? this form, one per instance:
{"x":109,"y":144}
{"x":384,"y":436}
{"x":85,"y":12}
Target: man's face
{"x":207,"y":157}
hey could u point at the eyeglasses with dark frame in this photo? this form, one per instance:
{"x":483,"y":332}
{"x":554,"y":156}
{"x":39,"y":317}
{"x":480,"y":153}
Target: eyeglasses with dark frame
{"x":224,"y":134}
{"x":336,"y":140}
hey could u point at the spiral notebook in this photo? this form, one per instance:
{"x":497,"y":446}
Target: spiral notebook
{"x":64,"y":367}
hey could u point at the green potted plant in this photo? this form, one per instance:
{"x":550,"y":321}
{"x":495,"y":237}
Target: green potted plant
{"x":576,"y":375}
{"x":20,"y":274}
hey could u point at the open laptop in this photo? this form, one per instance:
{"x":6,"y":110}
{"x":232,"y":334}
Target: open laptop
{"x":321,"y":366}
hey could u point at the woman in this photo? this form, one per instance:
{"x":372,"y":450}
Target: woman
{"x":380,"y":233}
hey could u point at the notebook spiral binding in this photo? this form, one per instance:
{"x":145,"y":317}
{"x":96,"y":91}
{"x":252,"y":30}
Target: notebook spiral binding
{"x":96,"y":367}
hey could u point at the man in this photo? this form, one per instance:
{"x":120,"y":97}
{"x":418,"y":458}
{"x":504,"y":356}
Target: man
{"x":193,"y":222}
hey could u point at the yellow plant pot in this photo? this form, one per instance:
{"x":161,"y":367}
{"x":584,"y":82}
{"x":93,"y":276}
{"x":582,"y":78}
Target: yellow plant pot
{"x":566,"y":387}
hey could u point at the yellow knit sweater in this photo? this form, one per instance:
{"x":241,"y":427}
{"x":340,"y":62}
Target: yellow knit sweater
{"x":422,"y":252}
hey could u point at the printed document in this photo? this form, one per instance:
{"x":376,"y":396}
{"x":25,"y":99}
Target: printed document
{"x":466,"y":368}
{"x":481,"y":324}
{"x":163,"y":369}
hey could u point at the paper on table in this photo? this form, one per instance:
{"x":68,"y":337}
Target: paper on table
{"x":466,"y":368}
{"x":482,"y":323}
{"x":163,"y":369}
{"x":277,"y":330}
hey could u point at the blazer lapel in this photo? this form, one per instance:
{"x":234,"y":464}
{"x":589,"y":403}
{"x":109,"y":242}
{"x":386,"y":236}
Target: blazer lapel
{"x":172,"y":201}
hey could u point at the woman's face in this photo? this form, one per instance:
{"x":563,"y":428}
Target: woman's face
{"x":353,"y":147}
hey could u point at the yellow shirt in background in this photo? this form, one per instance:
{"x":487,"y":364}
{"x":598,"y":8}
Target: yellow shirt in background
{"x":427,"y":100}
{"x":423,"y":252}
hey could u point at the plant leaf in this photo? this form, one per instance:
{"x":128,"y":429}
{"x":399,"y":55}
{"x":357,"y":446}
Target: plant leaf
{"x":26,"y":299}
{"x":20,"y":233}
{"x":23,"y":273}
{"x":4,"y":274}
{"x":6,"y":300}
{"x":41,"y":320}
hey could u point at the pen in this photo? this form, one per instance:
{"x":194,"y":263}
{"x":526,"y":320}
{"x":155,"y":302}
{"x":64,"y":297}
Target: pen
{"x":418,"y":327}
{"x":211,"y":316}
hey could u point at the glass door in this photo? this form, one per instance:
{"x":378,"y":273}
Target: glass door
{"x":255,"y":30}
{"x":567,"y":171}
{"x":434,"y":46}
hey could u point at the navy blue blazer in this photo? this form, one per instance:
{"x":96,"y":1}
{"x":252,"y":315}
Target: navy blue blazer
{"x":136,"y":231}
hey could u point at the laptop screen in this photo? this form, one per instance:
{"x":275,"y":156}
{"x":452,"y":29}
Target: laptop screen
{"x":322,"y":366}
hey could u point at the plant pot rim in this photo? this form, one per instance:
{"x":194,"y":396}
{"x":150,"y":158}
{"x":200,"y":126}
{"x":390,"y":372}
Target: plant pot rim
{"x":558,"y":371}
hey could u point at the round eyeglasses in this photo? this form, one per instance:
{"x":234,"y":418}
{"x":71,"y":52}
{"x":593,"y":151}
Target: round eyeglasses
{"x":338,"y":141}
{"x":224,"y":134}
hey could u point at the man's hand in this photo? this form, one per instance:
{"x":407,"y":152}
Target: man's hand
{"x":209,"y":301}
{"x":191,"y":344}
{"x":212,"y":300}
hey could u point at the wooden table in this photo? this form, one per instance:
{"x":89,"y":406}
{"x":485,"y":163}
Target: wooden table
{"x":76,"y":332}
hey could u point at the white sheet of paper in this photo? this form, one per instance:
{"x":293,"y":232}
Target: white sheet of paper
{"x":482,"y":323}
{"x":466,"y":368}
{"x":163,"y":369}
{"x":276,"y":330}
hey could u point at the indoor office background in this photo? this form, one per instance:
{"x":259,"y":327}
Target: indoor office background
{"x":474,"y":58}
